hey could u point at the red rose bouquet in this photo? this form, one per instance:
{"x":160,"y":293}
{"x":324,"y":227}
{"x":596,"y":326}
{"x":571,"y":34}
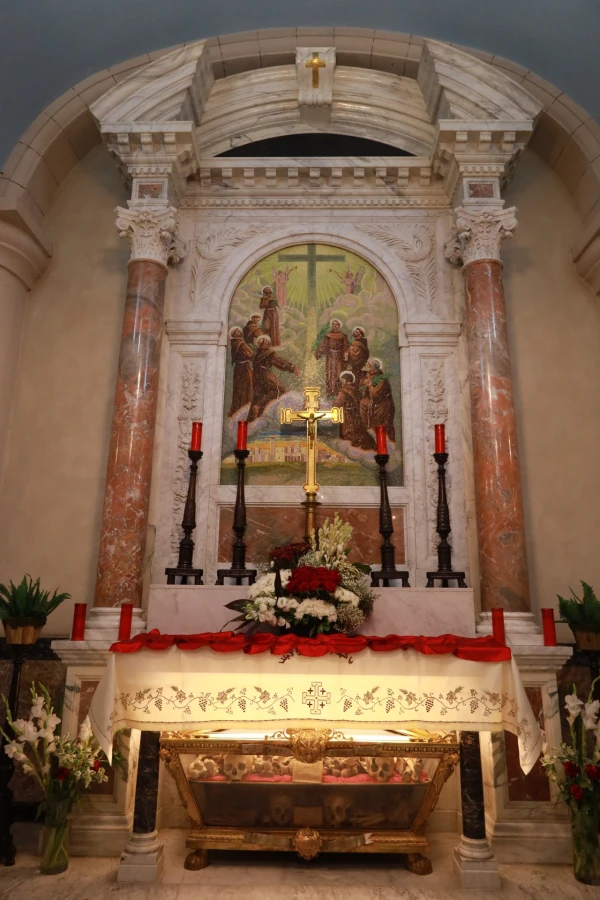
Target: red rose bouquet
{"x":311,"y":588}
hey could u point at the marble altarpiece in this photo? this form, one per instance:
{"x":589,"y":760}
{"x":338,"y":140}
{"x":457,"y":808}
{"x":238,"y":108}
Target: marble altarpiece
{"x":230,"y":228}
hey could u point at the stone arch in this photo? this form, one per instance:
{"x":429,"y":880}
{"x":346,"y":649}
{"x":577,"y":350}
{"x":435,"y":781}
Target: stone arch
{"x":566,"y":137}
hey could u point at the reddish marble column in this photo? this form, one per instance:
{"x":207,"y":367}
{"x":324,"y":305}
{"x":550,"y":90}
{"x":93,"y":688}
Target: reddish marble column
{"x":498,"y":492}
{"x":127,"y":492}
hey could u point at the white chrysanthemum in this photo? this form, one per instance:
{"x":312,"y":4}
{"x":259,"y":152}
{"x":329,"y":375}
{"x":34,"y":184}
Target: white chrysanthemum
{"x":263,"y":586}
{"x":345,"y":596}
{"x":319,"y":609}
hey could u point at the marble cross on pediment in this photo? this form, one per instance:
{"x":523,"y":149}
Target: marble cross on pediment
{"x":315,"y":68}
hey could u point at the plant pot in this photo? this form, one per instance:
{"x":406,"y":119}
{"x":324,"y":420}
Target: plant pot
{"x":586,"y":850}
{"x":23,"y":630}
{"x":587,"y":638}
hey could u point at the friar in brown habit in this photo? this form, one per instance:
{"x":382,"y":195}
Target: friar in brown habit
{"x":377,"y":405}
{"x":358,"y":353}
{"x":333,"y":346}
{"x":266,"y":386}
{"x":252,"y":328}
{"x":241,"y":359}
{"x":352,"y":428}
{"x":270,"y":322}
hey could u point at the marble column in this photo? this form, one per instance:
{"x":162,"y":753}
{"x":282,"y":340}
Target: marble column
{"x":127,"y":492}
{"x":498,"y":492}
{"x":474,"y":863}
{"x":143,"y":858}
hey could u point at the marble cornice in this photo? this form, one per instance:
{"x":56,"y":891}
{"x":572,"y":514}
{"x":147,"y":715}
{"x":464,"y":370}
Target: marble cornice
{"x":316,"y":202}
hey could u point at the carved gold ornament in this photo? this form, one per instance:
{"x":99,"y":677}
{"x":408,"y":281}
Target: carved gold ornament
{"x":309,"y":745}
{"x":307,"y":843}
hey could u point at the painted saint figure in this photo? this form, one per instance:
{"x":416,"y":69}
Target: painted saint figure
{"x":352,"y":428}
{"x":241,"y":359}
{"x":266,"y":385}
{"x":252,"y":328}
{"x":270,"y":321}
{"x":333,"y":346}
{"x":358,"y":353}
{"x":281,"y":278}
{"x":377,"y":405}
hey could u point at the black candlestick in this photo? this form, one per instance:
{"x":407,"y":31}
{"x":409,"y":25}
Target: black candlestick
{"x":444,"y":570}
{"x":185,"y":564}
{"x":7,"y":766}
{"x":238,"y":568}
{"x":388,"y":571}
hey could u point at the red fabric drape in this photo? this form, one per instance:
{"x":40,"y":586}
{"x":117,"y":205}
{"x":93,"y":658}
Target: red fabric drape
{"x":483,"y":649}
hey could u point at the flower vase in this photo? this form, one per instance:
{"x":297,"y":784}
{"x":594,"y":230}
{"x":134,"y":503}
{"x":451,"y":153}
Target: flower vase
{"x":55,"y":855}
{"x":585,"y":823}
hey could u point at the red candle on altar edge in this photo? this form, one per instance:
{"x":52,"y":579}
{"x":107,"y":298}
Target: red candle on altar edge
{"x":196,"y":442}
{"x":125,"y":621}
{"x":242,"y":436}
{"x":440,"y":438}
{"x":498,"y":625}
{"x":549,"y":627}
{"x":381,"y":439}
{"x":79,"y":613}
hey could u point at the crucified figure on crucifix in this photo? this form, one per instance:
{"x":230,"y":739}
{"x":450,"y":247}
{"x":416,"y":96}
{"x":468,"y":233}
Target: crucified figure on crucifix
{"x":311,"y":415}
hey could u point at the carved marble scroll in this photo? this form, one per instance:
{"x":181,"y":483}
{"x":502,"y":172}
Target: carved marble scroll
{"x":209,"y":251}
{"x":415,"y":246}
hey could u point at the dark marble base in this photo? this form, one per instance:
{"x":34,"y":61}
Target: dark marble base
{"x":146,"y":786}
{"x":471,"y":786}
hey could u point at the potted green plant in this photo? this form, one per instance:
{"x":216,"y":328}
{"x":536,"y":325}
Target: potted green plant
{"x":582,"y":615}
{"x":24,"y":609}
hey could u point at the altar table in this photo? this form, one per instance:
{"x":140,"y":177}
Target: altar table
{"x":158,"y":682}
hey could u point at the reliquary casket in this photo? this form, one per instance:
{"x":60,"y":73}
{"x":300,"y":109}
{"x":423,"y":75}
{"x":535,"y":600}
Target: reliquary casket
{"x":310,"y":790}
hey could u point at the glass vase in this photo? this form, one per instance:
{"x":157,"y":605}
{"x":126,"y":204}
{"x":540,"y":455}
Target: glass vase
{"x":586,"y":849}
{"x":55,"y":855}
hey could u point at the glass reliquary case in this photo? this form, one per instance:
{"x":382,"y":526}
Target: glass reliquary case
{"x":310,"y":790}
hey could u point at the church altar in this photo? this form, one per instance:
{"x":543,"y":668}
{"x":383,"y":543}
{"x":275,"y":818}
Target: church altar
{"x":156,"y":682}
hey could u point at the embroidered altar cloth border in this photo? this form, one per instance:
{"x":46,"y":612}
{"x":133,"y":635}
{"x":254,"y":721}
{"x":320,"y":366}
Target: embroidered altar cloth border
{"x":204,"y":689}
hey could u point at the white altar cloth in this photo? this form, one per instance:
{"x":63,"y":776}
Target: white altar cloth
{"x":174,"y":689}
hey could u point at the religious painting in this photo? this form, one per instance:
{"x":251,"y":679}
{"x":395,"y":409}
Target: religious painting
{"x":313,"y":315}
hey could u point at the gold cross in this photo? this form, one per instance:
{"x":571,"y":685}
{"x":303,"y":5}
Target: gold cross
{"x":311,"y":415}
{"x":315,"y":64}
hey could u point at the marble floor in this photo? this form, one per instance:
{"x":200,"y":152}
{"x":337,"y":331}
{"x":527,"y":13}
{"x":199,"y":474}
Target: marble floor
{"x":281,"y":878}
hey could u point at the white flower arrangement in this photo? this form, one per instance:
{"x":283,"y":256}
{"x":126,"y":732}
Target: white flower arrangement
{"x":318,"y":609}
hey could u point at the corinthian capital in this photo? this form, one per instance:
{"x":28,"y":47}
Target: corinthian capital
{"x":151,"y":233}
{"x":479,"y":233}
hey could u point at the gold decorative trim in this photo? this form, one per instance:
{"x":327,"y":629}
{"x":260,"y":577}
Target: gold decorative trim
{"x":307,"y":843}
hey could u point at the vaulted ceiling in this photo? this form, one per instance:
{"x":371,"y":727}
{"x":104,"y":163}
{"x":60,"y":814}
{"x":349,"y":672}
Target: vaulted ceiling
{"x":50,"y":45}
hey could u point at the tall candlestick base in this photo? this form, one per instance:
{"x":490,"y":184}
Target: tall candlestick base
{"x":444,"y":572}
{"x":185,"y":564}
{"x":238,"y":570}
{"x":311,"y":504}
{"x":388,"y":571}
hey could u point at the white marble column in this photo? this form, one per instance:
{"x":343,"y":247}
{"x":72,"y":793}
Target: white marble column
{"x":22,"y":261}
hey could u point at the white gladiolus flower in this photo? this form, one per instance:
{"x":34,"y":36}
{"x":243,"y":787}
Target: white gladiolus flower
{"x":85,"y":730}
{"x":28,"y":731}
{"x":590,"y":714}
{"x":14,"y":751}
{"x":46,"y":734}
{"x":52,"y":721}
{"x":573,"y":706}
{"x":37,"y":710}
{"x":27,"y":768}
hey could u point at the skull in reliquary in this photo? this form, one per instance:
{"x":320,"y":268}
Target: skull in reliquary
{"x":335,"y":809}
{"x":236,"y":767}
{"x":381,"y":768}
{"x":281,"y":810}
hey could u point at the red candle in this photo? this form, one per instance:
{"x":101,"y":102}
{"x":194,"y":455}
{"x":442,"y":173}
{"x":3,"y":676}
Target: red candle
{"x":381,"y":439}
{"x":498,"y":625}
{"x":242,"y":436}
{"x":549,"y":628}
{"x":196,"y":443}
{"x":440,"y":438}
{"x":79,"y":612}
{"x":125,"y":621}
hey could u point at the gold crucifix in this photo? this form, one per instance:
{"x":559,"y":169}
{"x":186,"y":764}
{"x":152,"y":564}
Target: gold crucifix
{"x":311,"y":415}
{"x":315,"y":64}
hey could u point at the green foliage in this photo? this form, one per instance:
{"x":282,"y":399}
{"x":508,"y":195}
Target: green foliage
{"x":580,"y":611}
{"x":27,"y":601}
